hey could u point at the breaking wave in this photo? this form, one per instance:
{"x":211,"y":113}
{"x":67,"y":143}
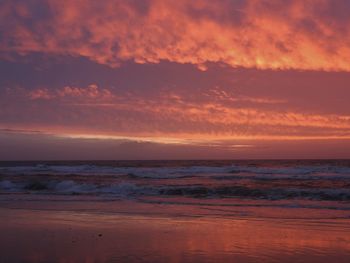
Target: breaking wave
{"x":127,"y":189}
{"x":252,"y":170}
{"x":270,"y":180}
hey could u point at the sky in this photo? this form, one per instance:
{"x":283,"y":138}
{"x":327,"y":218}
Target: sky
{"x":162,"y":79}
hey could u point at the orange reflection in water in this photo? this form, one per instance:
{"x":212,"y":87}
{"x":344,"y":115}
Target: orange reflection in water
{"x":57,"y":236}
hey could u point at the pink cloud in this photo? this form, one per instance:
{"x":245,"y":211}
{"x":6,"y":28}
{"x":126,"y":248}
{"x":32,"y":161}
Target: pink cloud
{"x":180,"y":115}
{"x":298,"y":34}
{"x":90,"y":92}
{"x":44,"y":94}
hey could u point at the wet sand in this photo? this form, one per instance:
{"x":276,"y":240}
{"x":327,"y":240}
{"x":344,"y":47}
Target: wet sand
{"x":71,"y":232}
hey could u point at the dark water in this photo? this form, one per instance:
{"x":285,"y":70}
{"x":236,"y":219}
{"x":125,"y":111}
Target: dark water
{"x":327,"y":180}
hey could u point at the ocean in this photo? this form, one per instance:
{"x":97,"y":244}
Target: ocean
{"x":293,"y":181}
{"x":251,"y":210}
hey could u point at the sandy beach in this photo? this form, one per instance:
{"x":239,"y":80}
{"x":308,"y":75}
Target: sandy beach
{"x":75,"y":231}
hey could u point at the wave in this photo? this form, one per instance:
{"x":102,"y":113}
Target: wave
{"x":71,"y":187}
{"x":221,"y":172}
{"x":127,"y":189}
{"x":89,"y":170}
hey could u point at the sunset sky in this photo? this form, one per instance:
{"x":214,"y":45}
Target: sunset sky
{"x":164,"y":79}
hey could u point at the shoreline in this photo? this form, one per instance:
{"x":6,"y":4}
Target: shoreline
{"x":78,"y":234}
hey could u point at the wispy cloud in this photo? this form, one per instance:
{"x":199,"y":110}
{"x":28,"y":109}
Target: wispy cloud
{"x":93,"y":110}
{"x":85,"y":93}
{"x":226,"y":96}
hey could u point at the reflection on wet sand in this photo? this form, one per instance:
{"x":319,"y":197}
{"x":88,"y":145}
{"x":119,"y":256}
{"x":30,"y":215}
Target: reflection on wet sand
{"x":29,"y":235}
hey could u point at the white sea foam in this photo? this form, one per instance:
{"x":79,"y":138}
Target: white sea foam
{"x":72,"y":187}
{"x":127,"y":189}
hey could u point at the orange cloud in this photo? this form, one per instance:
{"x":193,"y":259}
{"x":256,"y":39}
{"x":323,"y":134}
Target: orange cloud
{"x":176,"y":116}
{"x":41,"y":94}
{"x":90,"y":92}
{"x":222,"y":95}
{"x":298,"y":34}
